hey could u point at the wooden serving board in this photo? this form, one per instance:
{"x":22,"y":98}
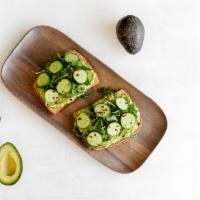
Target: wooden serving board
{"x":30,"y":56}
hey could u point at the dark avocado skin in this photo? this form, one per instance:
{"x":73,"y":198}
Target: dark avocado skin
{"x":130,"y":32}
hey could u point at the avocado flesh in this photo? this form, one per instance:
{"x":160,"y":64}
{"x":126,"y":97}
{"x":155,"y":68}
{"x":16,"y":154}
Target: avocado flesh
{"x":10,"y":164}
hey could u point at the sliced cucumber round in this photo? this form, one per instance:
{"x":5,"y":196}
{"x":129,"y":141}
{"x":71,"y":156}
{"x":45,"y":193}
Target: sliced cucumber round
{"x":43,"y":80}
{"x":80,"y":76}
{"x":64,"y":86}
{"x":83,"y":120}
{"x":114,"y":128}
{"x":71,"y":58}
{"x":55,"y":66}
{"x":102,"y":110}
{"x":128,"y":120}
{"x":94,"y":139}
{"x":121,"y":103}
{"x":51,"y":96}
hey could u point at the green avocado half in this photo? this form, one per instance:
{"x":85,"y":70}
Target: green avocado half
{"x":11,"y":166}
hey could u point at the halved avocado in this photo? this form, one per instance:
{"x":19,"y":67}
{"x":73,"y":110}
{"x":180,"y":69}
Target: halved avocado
{"x":10,"y":164}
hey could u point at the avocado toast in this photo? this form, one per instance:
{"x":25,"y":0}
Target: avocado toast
{"x":107,"y":121}
{"x":65,"y":78}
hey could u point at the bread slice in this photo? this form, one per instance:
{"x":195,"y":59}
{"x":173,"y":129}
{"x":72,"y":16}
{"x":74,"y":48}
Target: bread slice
{"x":55,"y":110}
{"x":132,"y":132}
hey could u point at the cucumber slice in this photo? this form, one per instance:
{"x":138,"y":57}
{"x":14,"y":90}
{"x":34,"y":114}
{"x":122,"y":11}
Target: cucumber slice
{"x":64,"y":86}
{"x":121,"y":103}
{"x":128,"y":120}
{"x":11,"y":165}
{"x":102,"y":110}
{"x":55,"y":66}
{"x":51,"y":96}
{"x":43,"y":80}
{"x":114,"y":128}
{"x":80,"y":76}
{"x":94,"y":139}
{"x":83,"y":120}
{"x":71,"y":58}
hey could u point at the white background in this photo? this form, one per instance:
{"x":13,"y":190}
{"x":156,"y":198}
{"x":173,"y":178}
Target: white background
{"x":166,"y":70}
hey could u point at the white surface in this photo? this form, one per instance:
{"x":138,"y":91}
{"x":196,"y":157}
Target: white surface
{"x":166,"y":70}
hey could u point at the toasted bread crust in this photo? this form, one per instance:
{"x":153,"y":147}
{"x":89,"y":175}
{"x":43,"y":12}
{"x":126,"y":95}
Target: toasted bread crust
{"x":58,"y":109}
{"x":134,"y":131}
{"x":52,"y":110}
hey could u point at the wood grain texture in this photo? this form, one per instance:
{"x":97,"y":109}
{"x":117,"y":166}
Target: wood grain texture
{"x":30,"y":56}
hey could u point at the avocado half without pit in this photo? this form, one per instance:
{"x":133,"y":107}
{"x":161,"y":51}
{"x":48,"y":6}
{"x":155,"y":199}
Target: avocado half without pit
{"x":130,"y":33}
{"x":10,"y":164}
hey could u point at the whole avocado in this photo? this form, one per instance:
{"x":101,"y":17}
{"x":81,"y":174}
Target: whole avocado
{"x":130,"y":33}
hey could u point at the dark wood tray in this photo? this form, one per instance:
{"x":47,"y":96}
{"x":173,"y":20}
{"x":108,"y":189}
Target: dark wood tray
{"x":30,"y":56}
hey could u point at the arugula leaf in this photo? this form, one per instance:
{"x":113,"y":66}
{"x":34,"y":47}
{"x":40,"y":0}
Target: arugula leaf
{"x":87,"y":94}
{"x":106,"y":90}
{"x":133,"y":110}
{"x":117,"y":112}
{"x":82,"y":67}
{"x":100,"y":127}
{"x":76,"y":131}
